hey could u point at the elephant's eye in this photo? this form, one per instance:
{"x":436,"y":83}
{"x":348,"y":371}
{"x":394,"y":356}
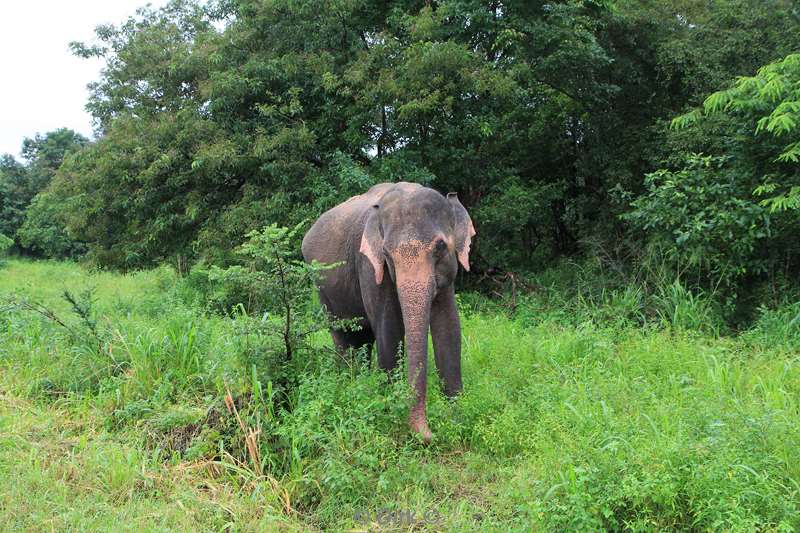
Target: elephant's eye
{"x":441,"y":246}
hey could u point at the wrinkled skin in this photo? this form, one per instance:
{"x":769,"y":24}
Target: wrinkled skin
{"x":401,"y":244}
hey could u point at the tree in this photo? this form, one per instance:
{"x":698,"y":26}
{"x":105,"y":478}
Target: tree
{"x":5,"y":244}
{"x":44,"y":233}
{"x":549,"y":112}
{"x":21,"y":183}
{"x":705,"y":222}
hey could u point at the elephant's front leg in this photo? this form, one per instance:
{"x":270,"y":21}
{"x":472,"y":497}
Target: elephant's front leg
{"x":446,"y":333}
{"x":389,"y":333}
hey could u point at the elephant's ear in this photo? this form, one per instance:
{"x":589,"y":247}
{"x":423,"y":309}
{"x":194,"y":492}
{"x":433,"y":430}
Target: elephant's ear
{"x":464,"y":230}
{"x":372,"y":244}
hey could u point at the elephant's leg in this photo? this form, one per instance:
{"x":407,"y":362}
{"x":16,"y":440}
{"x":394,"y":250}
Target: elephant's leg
{"x":446,"y":334}
{"x":344,"y":340}
{"x":389,"y":338}
{"x":339,"y":341}
{"x":389,"y":332}
{"x":385,"y":319}
{"x":362,"y":338}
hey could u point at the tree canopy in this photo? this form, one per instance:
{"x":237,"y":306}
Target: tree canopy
{"x":215,"y":119}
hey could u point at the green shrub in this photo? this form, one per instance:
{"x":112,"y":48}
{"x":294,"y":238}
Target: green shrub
{"x":767,"y":105}
{"x":511,"y":217}
{"x":704,"y":219}
{"x":271,"y":295}
{"x":217,"y":289}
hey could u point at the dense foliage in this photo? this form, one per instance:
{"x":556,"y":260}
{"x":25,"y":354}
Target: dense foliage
{"x":732,"y":216}
{"x":766,"y":107}
{"x":544,"y":116}
{"x":550,"y":119}
{"x":5,"y":244}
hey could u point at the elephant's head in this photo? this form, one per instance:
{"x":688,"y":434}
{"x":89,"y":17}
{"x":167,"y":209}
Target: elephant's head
{"x":418,"y":237}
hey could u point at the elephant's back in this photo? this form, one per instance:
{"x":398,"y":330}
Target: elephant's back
{"x":337,"y":230}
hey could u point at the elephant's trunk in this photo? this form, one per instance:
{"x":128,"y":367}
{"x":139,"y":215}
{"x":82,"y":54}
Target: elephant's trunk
{"x":416,"y":294}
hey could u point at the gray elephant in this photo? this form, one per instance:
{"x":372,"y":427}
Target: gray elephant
{"x":400,"y":244}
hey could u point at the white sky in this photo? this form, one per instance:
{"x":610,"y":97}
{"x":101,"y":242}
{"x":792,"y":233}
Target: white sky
{"x":42,"y":85}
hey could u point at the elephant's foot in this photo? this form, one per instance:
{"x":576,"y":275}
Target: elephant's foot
{"x":419,"y":425}
{"x":452,"y":391}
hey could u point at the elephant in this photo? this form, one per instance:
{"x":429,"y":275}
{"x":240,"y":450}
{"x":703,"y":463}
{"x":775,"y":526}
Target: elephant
{"x":418,"y":237}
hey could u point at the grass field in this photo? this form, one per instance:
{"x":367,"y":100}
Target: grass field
{"x":568,"y":422}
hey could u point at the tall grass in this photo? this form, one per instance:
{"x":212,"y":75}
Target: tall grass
{"x":617,"y":410}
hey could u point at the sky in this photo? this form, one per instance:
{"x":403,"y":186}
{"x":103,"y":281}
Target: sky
{"x":43,"y":86}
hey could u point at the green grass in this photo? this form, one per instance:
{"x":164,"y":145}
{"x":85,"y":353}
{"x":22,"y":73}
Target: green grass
{"x":570,"y":421}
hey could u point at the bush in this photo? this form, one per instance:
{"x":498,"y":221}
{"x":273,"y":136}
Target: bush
{"x":512,"y":217}
{"x":680,"y":308}
{"x":768,"y":107}
{"x":704,"y":220}
{"x":271,"y":294}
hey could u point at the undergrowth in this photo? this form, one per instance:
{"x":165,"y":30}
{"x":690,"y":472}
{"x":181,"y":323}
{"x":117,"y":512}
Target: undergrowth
{"x":128,"y":404}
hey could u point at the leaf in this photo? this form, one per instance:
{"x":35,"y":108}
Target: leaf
{"x":718,"y":101}
{"x":686,"y":120}
{"x":781,"y":124}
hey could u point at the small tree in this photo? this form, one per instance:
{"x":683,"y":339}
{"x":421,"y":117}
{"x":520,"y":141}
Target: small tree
{"x":276,"y":308}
